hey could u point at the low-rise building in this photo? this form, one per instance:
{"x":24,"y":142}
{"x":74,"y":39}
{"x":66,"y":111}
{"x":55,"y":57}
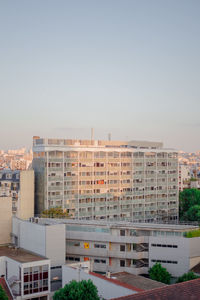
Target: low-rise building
{"x":27,"y":274}
{"x":115,"y":246}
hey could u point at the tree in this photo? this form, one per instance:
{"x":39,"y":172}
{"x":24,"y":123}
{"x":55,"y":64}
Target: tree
{"x":193,"y":213}
{"x":3,"y":295}
{"x":54,"y":212}
{"x":82,"y":290}
{"x":158,"y":273}
{"x":186,"y":277}
{"x":187,"y":199}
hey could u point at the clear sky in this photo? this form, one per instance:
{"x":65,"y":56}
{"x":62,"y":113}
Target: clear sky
{"x":127,"y":67}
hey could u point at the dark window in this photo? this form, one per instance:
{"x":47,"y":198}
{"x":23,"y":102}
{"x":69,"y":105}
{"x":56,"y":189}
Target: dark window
{"x":122,"y":248}
{"x":122,"y":263}
{"x":122,"y":232}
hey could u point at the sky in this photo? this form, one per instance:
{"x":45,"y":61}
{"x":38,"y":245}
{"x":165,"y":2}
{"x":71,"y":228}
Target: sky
{"x":126,"y":67}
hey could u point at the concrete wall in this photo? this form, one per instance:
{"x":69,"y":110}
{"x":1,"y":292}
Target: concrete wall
{"x":5,"y":220}
{"x":32,"y":237}
{"x":55,"y":244}
{"x":194,"y":247}
{"x":106,"y":289}
{"x":181,"y":254}
{"x":26,"y":199}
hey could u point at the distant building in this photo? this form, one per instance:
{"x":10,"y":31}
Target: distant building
{"x":19,"y":186}
{"x":184,"y":177}
{"x":5,"y":220}
{"x":134,"y":180}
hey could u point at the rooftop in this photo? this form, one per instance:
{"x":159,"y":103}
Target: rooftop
{"x":120,"y":224}
{"x":37,"y":141}
{"x":189,"y":290}
{"x":20,"y":255}
{"x":137,"y":281}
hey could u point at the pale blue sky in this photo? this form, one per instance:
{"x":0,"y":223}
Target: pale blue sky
{"x":131,"y":68}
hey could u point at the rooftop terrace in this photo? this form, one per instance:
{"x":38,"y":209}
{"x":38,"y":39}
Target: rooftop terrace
{"x":19,"y":254}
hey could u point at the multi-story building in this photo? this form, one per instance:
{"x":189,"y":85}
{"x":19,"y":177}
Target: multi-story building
{"x":106,"y":179}
{"x":184,"y":177}
{"x":19,"y":185}
{"x":111,"y":246}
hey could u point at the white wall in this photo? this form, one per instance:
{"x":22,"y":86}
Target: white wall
{"x":32,"y":237}
{"x":106,"y":289}
{"x":55,"y":244}
{"x":180,"y":254}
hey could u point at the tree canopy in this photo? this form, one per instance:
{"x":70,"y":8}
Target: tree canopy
{"x":54,"y":212}
{"x":186,"y":277}
{"x":3,"y":295}
{"x":158,"y":273}
{"x":193,"y":213}
{"x":82,"y":290}
{"x":187,"y":199}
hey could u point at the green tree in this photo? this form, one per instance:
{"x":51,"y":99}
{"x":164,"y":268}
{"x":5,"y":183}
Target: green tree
{"x":82,"y":290}
{"x":187,"y":199}
{"x":3,"y":295}
{"x":193,"y":213}
{"x":55,"y":212}
{"x":158,"y":273}
{"x":186,"y":277}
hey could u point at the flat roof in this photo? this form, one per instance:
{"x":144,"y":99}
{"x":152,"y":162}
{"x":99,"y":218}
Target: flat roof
{"x":120,"y":224}
{"x":19,"y":254}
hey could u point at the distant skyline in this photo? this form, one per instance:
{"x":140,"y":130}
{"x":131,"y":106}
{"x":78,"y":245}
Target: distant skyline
{"x":129,"y":68}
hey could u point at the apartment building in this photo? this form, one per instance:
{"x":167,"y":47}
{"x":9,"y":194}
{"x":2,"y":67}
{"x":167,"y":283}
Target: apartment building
{"x":184,"y":177}
{"x":111,"y":246}
{"x":19,"y":186}
{"x":106,"y":179}
{"x":27,"y":275}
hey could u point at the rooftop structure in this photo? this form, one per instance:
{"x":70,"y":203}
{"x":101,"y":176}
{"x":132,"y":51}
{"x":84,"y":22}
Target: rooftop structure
{"x":136,"y":180}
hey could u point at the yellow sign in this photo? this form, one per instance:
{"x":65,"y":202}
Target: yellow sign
{"x":86,"y":245}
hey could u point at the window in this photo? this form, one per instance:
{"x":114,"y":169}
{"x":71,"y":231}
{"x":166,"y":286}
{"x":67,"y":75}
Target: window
{"x":122,"y":263}
{"x":165,"y":261}
{"x":100,"y":246}
{"x":100,"y":261}
{"x":122,"y":248}
{"x":122,"y":232}
{"x":164,"y":245}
